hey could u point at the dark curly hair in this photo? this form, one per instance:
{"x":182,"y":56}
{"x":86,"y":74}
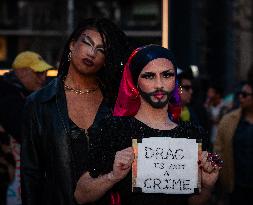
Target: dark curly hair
{"x":117,"y":49}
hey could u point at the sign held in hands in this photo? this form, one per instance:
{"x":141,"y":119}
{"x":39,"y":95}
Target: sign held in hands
{"x":166,"y":165}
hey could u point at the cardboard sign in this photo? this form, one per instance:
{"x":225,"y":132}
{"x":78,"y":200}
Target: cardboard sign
{"x":166,"y":165}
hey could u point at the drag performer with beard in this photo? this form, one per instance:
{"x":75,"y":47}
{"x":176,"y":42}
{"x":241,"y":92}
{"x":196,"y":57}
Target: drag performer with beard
{"x":147,"y":91}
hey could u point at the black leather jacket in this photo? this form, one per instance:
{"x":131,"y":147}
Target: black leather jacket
{"x":46,"y":170}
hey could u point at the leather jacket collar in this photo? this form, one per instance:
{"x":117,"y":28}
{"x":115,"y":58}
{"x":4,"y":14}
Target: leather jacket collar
{"x":55,"y":90}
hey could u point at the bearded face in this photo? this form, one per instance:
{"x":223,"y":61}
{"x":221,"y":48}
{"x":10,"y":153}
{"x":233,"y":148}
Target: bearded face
{"x":156,"y":82}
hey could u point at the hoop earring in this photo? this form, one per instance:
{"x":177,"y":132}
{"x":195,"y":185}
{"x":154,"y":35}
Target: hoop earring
{"x":69,"y":56}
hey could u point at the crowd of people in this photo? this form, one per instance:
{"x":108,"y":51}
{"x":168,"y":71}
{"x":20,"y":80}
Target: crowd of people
{"x":74,"y":132}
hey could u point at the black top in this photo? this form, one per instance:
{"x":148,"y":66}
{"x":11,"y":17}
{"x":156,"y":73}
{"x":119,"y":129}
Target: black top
{"x":48,"y":164}
{"x":12,"y":101}
{"x":116,"y":134}
{"x":79,"y":142}
{"x":243,"y":152}
{"x":79,"y":148}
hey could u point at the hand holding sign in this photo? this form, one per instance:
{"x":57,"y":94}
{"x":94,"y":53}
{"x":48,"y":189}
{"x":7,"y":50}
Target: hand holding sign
{"x":210,"y":164}
{"x":122,"y":164}
{"x":166,"y":165}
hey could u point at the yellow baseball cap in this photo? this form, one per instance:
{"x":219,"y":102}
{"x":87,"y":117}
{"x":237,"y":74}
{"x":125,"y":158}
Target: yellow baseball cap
{"x":30,"y":59}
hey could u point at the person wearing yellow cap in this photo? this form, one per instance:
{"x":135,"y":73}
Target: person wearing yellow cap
{"x":28,"y":75}
{"x":30,"y":69}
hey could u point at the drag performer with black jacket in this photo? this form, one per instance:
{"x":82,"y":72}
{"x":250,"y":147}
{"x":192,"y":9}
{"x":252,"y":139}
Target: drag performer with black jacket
{"x":59,"y":117}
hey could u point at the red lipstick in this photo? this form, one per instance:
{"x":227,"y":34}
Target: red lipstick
{"x":88,"y":62}
{"x":159,"y":95}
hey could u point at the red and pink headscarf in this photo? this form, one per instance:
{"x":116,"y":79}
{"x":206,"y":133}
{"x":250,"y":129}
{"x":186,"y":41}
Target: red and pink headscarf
{"x":128,"y":100}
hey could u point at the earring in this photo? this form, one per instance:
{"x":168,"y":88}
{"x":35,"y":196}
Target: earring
{"x":69,"y":56}
{"x":135,"y":92}
{"x":180,"y":90}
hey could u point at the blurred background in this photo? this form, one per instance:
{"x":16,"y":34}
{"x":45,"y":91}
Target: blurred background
{"x":216,"y":36}
{"x":212,"y":41}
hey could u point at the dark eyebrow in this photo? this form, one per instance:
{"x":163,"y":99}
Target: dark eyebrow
{"x":148,"y":73}
{"x":91,"y":41}
{"x":165,"y":71}
{"x":169,"y":70}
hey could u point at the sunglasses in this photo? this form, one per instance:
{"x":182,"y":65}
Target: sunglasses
{"x":186,"y":87}
{"x":244,"y":94}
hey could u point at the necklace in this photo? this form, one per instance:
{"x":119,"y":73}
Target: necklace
{"x":77,"y":91}
{"x":80,"y":92}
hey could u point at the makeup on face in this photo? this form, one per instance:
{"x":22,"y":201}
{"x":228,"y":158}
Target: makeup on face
{"x":88,"y":52}
{"x":161,"y":98}
{"x":87,"y":40}
{"x":162,"y":78}
{"x":152,"y":75}
{"x":156,"y":82}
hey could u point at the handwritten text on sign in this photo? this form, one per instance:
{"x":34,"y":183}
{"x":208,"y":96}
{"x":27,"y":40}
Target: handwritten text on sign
{"x":167,"y":165}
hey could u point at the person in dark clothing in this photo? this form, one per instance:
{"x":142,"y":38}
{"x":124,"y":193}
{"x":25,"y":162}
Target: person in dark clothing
{"x":191,"y":110}
{"x":235,"y":144}
{"x":28,"y":75}
{"x":7,"y":166}
{"x":146,"y":90}
{"x":5,"y":180}
{"x":185,"y":91}
{"x":59,"y":117}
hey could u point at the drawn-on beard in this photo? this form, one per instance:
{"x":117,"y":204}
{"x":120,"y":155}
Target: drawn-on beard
{"x":159,"y":103}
